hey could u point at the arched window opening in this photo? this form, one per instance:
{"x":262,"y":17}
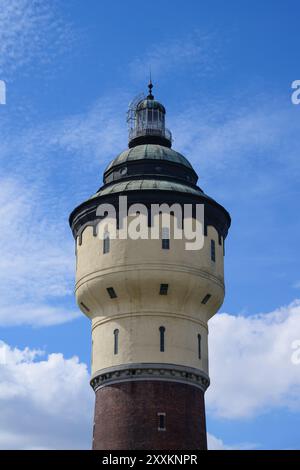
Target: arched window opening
{"x":106,"y":242}
{"x":199,"y":346}
{"x":116,"y":341}
{"x":162,"y":338}
{"x":213,"y":250}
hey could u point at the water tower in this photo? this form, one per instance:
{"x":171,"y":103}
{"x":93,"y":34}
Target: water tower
{"x":149,"y":300}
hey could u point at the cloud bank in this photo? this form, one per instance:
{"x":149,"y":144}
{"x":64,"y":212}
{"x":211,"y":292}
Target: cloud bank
{"x":31,"y":30}
{"x":253,"y":366}
{"x":46,"y":402}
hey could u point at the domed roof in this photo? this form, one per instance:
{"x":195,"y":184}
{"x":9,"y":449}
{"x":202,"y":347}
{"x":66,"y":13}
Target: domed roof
{"x":150,"y":152}
{"x":149,"y":184}
{"x":150,"y":104}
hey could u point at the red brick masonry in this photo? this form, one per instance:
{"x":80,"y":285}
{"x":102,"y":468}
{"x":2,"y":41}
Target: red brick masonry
{"x":126,"y":416}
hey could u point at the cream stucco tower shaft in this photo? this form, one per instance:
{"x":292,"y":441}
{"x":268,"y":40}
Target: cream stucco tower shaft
{"x":149,"y":300}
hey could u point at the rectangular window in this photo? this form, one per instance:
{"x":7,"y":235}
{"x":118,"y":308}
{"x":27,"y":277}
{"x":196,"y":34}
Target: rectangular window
{"x":111,"y":292}
{"x":165,"y":238}
{"x":164,"y":289}
{"x":165,"y":244}
{"x":161,"y":421}
{"x":206,"y":299}
{"x":213,"y":250}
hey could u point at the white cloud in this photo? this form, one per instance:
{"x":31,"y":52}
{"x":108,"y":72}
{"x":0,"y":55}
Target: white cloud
{"x":67,"y":145}
{"x":37,"y":266}
{"x":244,"y":135}
{"x":31,"y":30}
{"x":251,"y":365}
{"x":97,"y":133}
{"x":46,"y":403}
{"x":214,"y":443}
{"x":37,"y":260}
{"x":195,"y":50}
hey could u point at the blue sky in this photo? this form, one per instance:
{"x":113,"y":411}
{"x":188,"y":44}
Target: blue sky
{"x":224,"y":73}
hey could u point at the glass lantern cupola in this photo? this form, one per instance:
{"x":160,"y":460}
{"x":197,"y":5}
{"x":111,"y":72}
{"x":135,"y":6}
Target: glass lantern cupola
{"x":146,"y":119}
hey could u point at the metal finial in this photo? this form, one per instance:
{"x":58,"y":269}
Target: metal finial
{"x":150,"y":86}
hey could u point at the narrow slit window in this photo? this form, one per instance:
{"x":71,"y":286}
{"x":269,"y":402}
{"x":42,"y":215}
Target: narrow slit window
{"x":116,"y":341}
{"x":163,"y":289}
{"x":213,"y":250}
{"x":161,"y":421}
{"x":111,"y":292}
{"x":206,"y":299}
{"x":106,"y":243}
{"x":162,"y":338}
{"x":199,"y":346}
{"x":165,"y":238}
{"x":85,"y":307}
{"x":76,"y":255}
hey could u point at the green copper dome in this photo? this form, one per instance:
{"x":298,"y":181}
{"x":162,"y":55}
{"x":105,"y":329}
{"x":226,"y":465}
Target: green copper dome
{"x":150,"y":152}
{"x":148,"y":184}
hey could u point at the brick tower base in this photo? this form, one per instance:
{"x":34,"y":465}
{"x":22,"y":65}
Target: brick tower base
{"x":127,"y":416}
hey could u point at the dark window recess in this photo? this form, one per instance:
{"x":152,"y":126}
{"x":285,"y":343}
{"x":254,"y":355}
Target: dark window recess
{"x":161,"y":421}
{"x":85,"y":307}
{"x":213,"y":250}
{"x":206,"y":299}
{"x":111,"y":292}
{"x":199,"y":346}
{"x":106,"y":243}
{"x":165,"y":242}
{"x":163,"y":289}
{"x":116,"y":341}
{"x":162,"y":338}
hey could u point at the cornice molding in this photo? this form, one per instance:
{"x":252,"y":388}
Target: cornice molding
{"x":169,"y":267}
{"x":149,"y":372}
{"x":149,"y":313}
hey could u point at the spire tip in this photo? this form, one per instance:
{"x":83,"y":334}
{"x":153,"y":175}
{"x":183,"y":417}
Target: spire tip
{"x":150,"y":86}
